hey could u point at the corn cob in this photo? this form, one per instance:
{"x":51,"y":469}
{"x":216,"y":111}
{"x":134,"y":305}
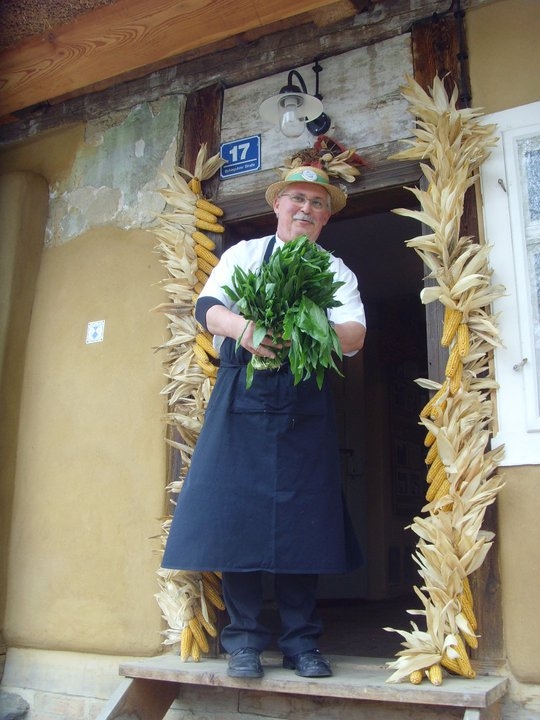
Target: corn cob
{"x":429,"y":406}
{"x":467,"y":592}
{"x":205,"y":254}
{"x":471,"y":640}
{"x":200,"y":353}
{"x":468,"y":611}
{"x":463,"y":339}
{"x":213,"y":579}
{"x":203,"y":204}
{"x":211,"y":612}
{"x":463,"y":659}
{"x":435,"y":674}
{"x":206,"y":624}
{"x":453,"y":362}
{"x":195,"y":185}
{"x":416,"y":677}
{"x":436,"y":484}
{"x":205,"y":215}
{"x":452,"y":319}
{"x":210,"y":226}
{"x":201,"y":276}
{"x":202,"y":239}
{"x":429,"y":439}
{"x":436,"y":465}
{"x":437,"y":410}
{"x":208,"y":369}
{"x":186,"y":643}
{"x":212,"y":595}
{"x":205,"y":342}
{"x":455,"y":381}
{"x":204,"y":265}
{"x":198,"y":288}
{"x":450,"y":664}
{"x":432,"y":453}
{"x":198,"y":634}
{"x":443,"y":490}
{"x":195,"y":651}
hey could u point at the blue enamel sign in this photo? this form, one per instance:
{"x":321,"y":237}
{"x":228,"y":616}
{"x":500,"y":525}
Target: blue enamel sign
{"x":241,"y":156}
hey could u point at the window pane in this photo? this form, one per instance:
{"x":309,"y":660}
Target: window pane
{"x":528,"y":152}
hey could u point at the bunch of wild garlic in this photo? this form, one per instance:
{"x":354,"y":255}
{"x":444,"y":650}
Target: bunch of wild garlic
{"x":287,"y":298}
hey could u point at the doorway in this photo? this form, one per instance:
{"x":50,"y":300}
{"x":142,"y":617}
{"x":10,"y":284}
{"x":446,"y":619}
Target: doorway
{"x":381,"y":442}
{"x":377,"y":403}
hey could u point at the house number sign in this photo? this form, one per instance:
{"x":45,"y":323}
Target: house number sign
{"x":241,"y":156}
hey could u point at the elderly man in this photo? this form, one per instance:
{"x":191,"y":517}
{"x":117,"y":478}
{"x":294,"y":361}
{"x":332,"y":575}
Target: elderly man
{"x":263,"y":492}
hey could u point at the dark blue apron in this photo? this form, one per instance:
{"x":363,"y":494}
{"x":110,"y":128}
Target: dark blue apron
{"x":263,"y":490}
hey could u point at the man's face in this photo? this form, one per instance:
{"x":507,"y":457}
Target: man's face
{"x":296,"y":213}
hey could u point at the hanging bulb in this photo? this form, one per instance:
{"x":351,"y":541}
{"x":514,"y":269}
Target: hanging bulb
{"x":290,"y":123}
{"x":293,"y":108}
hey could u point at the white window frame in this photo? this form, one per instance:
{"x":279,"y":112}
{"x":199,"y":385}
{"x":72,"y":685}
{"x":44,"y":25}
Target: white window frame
{"x":518,"y":397}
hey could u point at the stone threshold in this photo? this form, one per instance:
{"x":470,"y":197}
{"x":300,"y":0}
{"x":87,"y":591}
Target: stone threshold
{"x":155,"y":682}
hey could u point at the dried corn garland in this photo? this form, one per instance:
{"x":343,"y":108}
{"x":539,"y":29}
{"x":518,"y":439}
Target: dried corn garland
{"x":188,"y":600}
{"x":461,"y":477}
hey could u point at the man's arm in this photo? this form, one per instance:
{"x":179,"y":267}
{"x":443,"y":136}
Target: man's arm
{"x":222,"y":321}
{"x":351,"y":336}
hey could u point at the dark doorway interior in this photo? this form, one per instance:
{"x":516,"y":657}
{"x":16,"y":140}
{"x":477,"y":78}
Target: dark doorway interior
{"x":377,"y":403}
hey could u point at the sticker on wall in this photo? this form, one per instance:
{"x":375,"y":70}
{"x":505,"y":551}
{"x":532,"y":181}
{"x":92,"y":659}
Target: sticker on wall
{"x":241,"y":156}
{"x":95,"y":331}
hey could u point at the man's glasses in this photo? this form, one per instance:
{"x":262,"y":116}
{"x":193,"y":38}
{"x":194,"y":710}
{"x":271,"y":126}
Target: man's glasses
{"x":297,"y":199}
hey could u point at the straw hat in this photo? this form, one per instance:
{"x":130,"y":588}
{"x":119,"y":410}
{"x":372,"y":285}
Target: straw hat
{"x":308,"y":174}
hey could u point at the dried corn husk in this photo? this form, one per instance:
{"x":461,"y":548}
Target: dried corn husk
{"x":451,"y":144}
{"x":188,"y":388}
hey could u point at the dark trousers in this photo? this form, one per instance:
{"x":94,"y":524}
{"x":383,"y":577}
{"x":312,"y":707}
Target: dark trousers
{"x":295,"y":597}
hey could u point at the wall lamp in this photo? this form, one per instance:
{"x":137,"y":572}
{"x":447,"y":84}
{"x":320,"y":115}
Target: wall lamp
{"x":294,"y":109}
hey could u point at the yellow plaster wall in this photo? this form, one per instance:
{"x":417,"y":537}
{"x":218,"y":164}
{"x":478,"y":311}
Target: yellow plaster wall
{"x":519,"y":553}
{"x":504,"y":54}
{"x":91,"y":456}
{"x":24,"y":198}
{"x":49,"y":154}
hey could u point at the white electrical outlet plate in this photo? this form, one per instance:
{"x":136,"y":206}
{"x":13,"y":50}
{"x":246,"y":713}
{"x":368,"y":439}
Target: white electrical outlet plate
{"x":95,"y":331}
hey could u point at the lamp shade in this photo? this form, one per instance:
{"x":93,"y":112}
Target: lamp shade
{"x":308,"y":107}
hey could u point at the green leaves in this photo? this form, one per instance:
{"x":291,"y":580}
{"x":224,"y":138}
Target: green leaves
{"x":287,"y":298}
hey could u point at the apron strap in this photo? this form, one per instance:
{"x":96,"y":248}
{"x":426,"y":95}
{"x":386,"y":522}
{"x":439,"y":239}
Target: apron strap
{"x":269,"y":249}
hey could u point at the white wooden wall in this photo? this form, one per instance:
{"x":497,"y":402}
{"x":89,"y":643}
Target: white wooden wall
{"x":361,"y":94}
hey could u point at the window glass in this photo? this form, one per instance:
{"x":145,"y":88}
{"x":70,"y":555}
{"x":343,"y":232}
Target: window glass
{"x":510,"y":184}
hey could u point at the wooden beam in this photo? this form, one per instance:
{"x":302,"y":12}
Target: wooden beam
{"x":125,"y":36}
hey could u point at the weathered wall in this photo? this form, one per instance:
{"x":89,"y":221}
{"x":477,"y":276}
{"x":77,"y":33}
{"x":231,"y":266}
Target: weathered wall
{"x":504,"y":54}
{"x":519,"y":551}
{"x":90,"y":473}
{"x":91,"y":459}
{"x":24,"y":199}
{"x":90,"y":468}
{"x":361,"y":95}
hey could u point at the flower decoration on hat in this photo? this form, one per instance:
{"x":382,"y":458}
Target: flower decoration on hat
{"x":326,"y":160}
{"x":328,"y":155}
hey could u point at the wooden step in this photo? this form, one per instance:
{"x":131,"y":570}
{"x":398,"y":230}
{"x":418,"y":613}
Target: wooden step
{"x":152,"y":684}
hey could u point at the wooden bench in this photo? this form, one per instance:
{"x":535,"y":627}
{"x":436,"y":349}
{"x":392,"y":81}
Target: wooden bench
{"x":150,"y":687}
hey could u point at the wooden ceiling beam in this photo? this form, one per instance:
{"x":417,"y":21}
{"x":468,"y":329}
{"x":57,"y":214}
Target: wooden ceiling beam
{"x":117,"y":40}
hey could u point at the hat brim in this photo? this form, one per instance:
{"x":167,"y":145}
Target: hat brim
{"x":338,"y":199}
